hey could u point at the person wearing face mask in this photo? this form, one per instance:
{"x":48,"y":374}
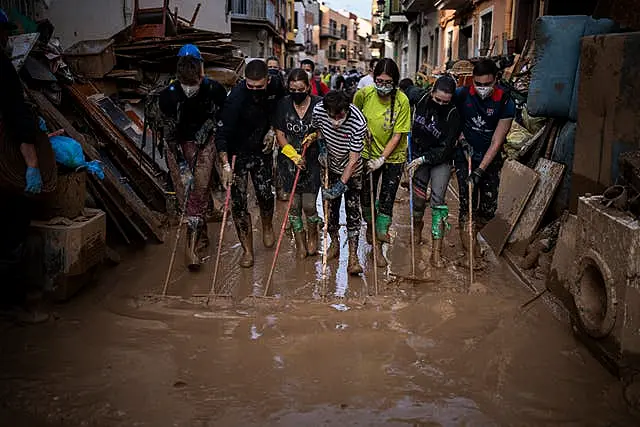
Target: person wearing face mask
{"x":343,"y":128}
{"x":434,"y":134}
{"x":292,"y":123}
{"x":388,"y":117}
{"x":191,"y":108}
{"x":318,"y":87}
{"x":486,"y":111}
{"x":246,"y":120}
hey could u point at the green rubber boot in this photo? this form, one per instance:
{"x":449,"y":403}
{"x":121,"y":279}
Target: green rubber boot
{"x":298,"y":232}
{"x":439,"y":226}
{"x":383,"y":222}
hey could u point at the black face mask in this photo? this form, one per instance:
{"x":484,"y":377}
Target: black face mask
{"x":298,"y":97}
{"x":258,"y":95}
{"x":433,"y":105}
{"x":273,"y":72}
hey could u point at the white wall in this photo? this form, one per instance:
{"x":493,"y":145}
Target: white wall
{"x":76,"y":20}
{"x":300,"y":11}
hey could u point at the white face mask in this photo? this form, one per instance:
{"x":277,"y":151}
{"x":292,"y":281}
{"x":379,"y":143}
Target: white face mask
{"x":484,"y":91}
{"x":310,"y":75}
{"x":190,"y":91}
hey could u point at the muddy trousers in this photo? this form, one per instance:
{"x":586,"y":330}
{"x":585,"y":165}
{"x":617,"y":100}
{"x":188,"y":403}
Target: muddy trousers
{"x":438,"y":176}
{"x":390,"y":174}
{"x":352,"y":206}
{"x":260,"y":167}
{"x":14,"y":222}
{"x":305,"y":202}
{"x":201,"y":162}
{"x":485,"y":197}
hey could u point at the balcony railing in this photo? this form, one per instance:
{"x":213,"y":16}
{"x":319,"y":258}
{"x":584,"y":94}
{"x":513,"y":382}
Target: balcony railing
{"x":254,"y":10}
{"x":330,"y":32}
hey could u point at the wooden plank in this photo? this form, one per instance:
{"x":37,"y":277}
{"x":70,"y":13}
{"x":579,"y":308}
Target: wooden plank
{"x":517,"y":183}
{"x":550,"y":174}
{"x":130,"y":206}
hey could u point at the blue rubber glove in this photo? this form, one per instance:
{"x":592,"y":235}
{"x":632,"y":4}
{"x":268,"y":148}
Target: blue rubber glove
{"x":335,"y":191}
{"x":34,"y":181}
{"x":322,"y":159}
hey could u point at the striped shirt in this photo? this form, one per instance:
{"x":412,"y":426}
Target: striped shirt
{"x":342,"y":140}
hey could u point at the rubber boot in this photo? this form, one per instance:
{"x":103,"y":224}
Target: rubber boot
{"x":381,"y":262}
{"x":268,"y":239}
{"x":353,"y":267}
{"x":366,"y":215}
{"x":246,"y":240}
{"x":383,"y":222}
{"x":334,"y":249}
{"x":313,"y":230}
{"x":418,"y":226}
{"x":191,"y":248}
{"x":436,"y":253}
{"x":299,"y":235}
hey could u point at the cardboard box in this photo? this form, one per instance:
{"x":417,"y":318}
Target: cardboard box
{"x":61,"y":256}
{"x":608,"y":110}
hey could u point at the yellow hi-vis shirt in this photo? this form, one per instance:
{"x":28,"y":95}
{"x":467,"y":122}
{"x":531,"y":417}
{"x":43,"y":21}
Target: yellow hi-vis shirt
{"x":381,"y":126}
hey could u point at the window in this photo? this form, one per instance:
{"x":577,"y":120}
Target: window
{"x":333,"y":54}
{"x":333,"y":27}
{"x":484,"y":41}
{"x":464,"y":41}
{"x":343,"y":32}
{"x":343,"y":52}
{"x":450,"y":45}
{"x":295,"y":21}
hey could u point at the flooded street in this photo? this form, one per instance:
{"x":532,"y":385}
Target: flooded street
{"x":420,"y":353}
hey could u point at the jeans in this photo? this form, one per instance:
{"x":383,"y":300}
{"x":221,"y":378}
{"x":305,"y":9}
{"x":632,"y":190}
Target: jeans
{"x":390,"y":173}
{"x":260,"y":167}
{"x":352,"y":205}
{"x":439,"y":176}
{"x":485,"y":194}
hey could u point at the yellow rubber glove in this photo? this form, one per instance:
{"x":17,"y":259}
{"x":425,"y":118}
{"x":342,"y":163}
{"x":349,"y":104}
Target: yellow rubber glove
{"x":291,"y":153}
{"x":310,"y":138}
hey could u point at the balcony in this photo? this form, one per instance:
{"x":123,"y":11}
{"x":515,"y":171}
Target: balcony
{"x":254,"y":11}
{"x":310,"y":48}
{"x":417,"y":6}
{"x":329,"y":32}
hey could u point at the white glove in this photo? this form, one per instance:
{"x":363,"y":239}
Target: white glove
{"x":269,"y":141}
{"x":375,"y":164}
{"x":227,"y":175}
{"x":415,"y":164}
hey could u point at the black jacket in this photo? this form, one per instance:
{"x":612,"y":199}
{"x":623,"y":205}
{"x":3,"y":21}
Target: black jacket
{"x":246,"y":121}
{"x":189,"y":114}
{"x":435,"y":132}
{"x":15,"y":114}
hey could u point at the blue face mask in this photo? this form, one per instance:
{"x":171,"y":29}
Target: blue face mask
{"x":384,"y":90}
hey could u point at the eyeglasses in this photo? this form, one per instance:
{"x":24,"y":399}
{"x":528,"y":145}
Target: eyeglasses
{"x":478,"y":84}
{"x":387,"y":83}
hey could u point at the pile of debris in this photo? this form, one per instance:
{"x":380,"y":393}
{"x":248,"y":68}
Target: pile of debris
{"x":96,"y":92}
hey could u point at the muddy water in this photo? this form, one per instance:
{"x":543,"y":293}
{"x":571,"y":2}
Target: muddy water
{"x":423,"y":354}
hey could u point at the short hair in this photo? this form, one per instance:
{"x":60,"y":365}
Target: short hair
{"x":308,"y":62}
{"x":273,"y":58}
{"x":445,"y":84}
{"x":405,"y":84}
{"x":485,"y":67}
{"x":189,"y":70}
{"x":298,"y":75}
{"x":256,"y":70}
{"x":372,"y":63}
{"x":335,"y":102}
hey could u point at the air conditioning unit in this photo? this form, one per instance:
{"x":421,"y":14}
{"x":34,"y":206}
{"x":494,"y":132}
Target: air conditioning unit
{"x":606,"y":285}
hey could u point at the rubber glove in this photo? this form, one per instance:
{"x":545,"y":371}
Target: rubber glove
{"x":34,"y":181}
{"x":227,"y":175}
{"x":269,"y":141}
{"x":375,"y":163}
{"x":476,"y":176}
{"x":335,"y":191}
{"x":292,"y":154}
{"x":322,"y":159}
{"x":310,"y":138}
{"x":415,"y":164}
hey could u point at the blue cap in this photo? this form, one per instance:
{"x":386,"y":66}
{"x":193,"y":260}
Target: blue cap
{"x":190,"y":50}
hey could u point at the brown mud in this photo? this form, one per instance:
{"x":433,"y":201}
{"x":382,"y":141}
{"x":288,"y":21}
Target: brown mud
{"x":421,"y":353}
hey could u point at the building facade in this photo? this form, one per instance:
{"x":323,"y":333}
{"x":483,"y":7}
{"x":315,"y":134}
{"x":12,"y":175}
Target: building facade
{"x":338,"y":39}
{"x":259,"y":27}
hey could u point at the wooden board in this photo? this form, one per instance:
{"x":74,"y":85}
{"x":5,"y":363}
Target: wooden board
{"x":517,"y":183}
{"x":550,"y":174}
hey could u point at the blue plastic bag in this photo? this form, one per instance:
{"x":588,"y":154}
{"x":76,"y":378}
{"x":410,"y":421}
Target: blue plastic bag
{"x":69,"y":153}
